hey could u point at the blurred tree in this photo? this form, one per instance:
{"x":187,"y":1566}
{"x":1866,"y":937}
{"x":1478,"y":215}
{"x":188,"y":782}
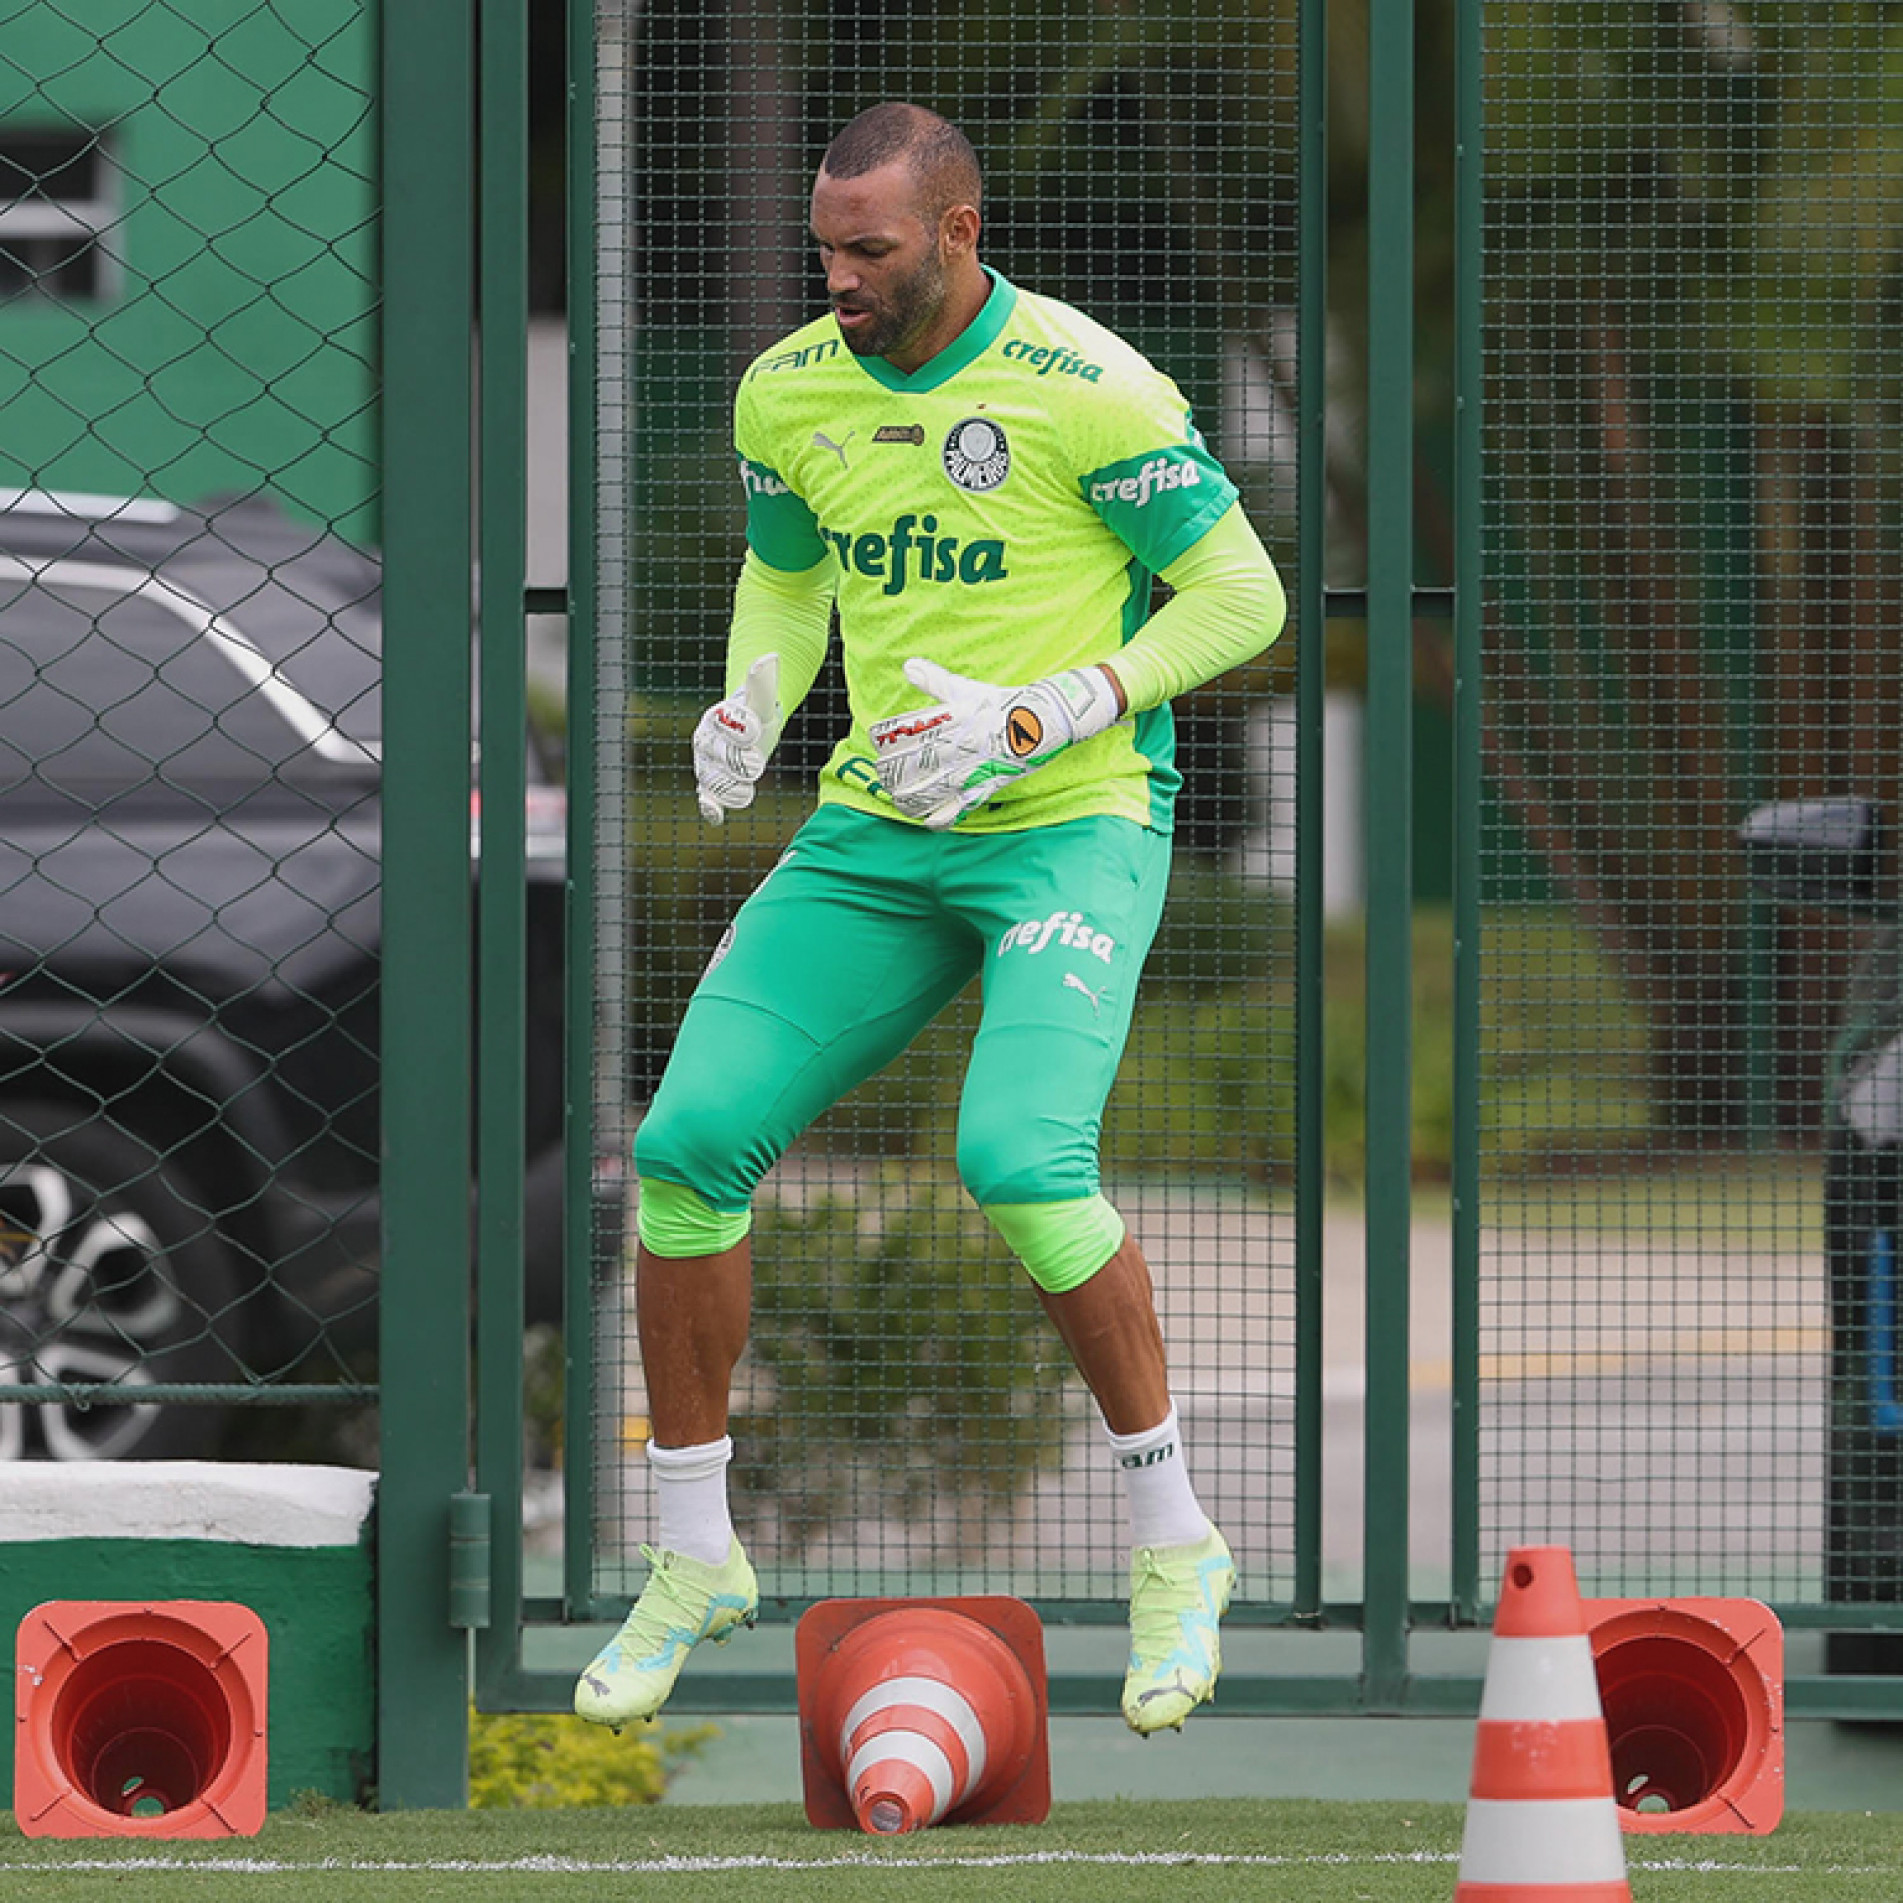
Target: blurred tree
{"x":1693,"y":479}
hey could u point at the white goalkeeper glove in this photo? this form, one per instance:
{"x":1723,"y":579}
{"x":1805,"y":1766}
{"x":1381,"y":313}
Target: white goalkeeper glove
{"x":734,"y":739}
{"x":944,"y":761}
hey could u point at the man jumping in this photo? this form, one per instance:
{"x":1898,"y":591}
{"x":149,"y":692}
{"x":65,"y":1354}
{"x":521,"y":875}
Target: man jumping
{"x":984,"y":483}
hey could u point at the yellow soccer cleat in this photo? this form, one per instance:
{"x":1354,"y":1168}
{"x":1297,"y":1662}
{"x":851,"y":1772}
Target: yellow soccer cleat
{"x":685,"y":1601}
{"x":1178,"y":1595}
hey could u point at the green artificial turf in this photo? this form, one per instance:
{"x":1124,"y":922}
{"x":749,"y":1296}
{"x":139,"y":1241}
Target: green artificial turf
{"x":1120,"y":1852}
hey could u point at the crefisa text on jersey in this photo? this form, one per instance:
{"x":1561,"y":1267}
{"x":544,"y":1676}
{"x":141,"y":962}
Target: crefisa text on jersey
{"x":939,"y":557}
{"x":1047,"y":359}
{"x":1158,"y":475}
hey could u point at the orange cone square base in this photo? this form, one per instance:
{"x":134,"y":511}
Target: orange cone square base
{"x":136,"y":1719}
{"x":1693,"y":1692}
{"x":915,"y":1712}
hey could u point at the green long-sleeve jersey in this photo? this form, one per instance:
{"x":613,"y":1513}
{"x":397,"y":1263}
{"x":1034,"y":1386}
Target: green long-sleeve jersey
{"x":1002,"y":511}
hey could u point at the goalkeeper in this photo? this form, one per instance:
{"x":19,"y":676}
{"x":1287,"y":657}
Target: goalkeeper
{"x":982,"y":483}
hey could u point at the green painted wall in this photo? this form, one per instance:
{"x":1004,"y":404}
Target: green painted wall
{"x":238,"y":352}
{"x":317,"y":1606}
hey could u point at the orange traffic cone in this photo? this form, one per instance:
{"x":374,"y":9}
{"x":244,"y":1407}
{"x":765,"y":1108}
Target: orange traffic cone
{"x":1693,"y":1691}
{"x":140,"y":1720}
{"x":920,"y":1711}
{"x":1542,"y":1826}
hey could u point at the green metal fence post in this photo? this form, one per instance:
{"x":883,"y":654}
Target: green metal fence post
{"x":422,"y":1723}
{"x":501,"y":1056}
{"x":1311,"y":673}
{"x":1390,"y":717}
{"x":578,"y":1336}
{"x":1469,"y":263}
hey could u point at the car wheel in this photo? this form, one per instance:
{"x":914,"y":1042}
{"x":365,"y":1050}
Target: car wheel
{"x":107,"y":1273}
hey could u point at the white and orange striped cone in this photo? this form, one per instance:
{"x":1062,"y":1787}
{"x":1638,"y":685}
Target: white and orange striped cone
{"x":1542,"y":1825}
{"x":917,"y":1712}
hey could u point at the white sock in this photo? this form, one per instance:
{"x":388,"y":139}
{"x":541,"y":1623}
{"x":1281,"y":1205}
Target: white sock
{"x":1163,"y":1507}
{"x":690,"y":1499}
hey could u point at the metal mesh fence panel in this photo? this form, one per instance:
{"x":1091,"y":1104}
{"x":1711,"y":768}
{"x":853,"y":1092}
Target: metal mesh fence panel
{"x":189,"y":719}
{"x":1689,"y":1117}
{"x":904,"y":1415}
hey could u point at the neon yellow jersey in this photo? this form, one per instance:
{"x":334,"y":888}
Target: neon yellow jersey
{"x":1002,"y":511}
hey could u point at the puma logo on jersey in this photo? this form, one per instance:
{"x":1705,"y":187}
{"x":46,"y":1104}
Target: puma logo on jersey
{"x":822,"y":441}
{"x":1074,"y":983}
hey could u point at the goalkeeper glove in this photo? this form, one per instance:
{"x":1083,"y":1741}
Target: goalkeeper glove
{"x":733,"y":740}
{"x":946,"y":760}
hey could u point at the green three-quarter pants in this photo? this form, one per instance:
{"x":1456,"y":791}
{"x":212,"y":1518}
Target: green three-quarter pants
{"x":868,"y":928}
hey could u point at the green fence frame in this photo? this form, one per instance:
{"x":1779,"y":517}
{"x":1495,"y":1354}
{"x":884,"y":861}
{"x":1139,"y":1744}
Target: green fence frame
{"x":1390,"y":758}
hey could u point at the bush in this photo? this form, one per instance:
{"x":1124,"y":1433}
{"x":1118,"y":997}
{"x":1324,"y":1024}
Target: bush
{"x":543,"y":1761}
{"x":1207,"y":1086}
{"x":903,"y":1367}
{"x":1208,"y":1083}
{"x":1567,"y":1054}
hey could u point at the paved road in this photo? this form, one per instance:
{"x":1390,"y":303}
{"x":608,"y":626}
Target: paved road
{"x":1654,"y":1402}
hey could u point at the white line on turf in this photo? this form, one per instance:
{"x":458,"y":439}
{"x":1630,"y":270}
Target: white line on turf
{"x":676,"y":1866}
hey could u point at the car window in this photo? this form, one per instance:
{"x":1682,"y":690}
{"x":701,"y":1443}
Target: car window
{"x":110,"y":678}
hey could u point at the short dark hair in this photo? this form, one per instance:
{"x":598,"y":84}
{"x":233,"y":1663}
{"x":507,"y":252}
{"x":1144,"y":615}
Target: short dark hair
{"x":940,"y":157}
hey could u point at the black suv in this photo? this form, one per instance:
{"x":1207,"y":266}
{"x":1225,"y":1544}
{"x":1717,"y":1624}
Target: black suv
{"x":190,"y":749}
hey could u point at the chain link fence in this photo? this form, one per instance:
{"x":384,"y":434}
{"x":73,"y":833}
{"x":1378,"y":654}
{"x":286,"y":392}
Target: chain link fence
{"x":190,"y":722}
{"x":905,"y":1419}
{"x":1690,"y":1114}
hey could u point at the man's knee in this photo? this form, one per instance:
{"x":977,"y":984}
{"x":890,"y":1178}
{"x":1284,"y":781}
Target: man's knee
{"x":1022,"y":1159}
{"x":1062,"y":1244}
{"x":675,"y":1221}
{"x":690,"y":1147}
